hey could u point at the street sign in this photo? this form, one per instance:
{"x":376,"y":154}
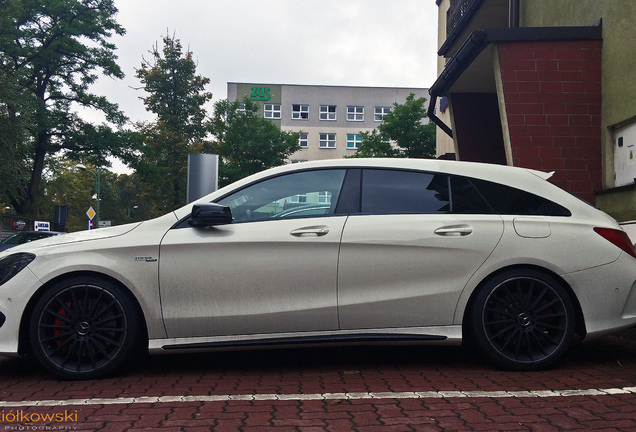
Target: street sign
{"x":90,"y":213}
{"x":41,"y":226}
{"x":91,"y":224}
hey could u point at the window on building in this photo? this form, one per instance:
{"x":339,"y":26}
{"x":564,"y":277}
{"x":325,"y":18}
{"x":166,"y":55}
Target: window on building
{"x":303,"y":140}
{"x":355,"y":113}
{"x":297,"y":199}
{"x":327,"y":140}
{"x":327,"y":112}
{"x":354,"y":141}
{"x":272,"y":111}
{"x":300,"y":112}
{"x":380,"y":112}
{"x":324,"y":197}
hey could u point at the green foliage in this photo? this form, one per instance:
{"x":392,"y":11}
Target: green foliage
{"x":50,"y":51}
{"x":176,"y":96}
{"x":120,"y":198}
{"x":404,"y":128}
{"x":246,"y":142}
{"x":375,"y":145}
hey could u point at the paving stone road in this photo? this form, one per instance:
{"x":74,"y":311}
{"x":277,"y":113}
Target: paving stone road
{"x":362,"y":389}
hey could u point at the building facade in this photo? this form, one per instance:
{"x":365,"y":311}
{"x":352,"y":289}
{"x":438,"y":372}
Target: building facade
{"x":330,"y":119}
{"x":543,"y":85}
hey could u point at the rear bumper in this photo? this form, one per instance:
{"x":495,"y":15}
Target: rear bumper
{"x":607,"y":296}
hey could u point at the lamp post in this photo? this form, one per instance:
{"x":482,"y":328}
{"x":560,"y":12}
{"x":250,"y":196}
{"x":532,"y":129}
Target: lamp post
{"x":82,"y":167}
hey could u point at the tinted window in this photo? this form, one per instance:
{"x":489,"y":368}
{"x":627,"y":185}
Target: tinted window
{"x":301,"y":194}
{"x":392,"y":191}
{"x":466,"y":199}
{"x":511,"y":201}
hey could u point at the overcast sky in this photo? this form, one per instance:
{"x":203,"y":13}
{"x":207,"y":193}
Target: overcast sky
{"x":328,"y":42}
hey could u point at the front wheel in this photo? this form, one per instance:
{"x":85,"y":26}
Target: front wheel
{"x":83,"y":328}
{"x":522,"y":320}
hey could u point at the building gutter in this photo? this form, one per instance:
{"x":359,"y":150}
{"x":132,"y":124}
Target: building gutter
{"x":480,"y":39}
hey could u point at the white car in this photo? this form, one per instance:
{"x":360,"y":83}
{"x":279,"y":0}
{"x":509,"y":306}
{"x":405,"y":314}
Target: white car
{"x":400,"y":250}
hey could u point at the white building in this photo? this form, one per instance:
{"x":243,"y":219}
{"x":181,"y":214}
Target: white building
{"x":330,"y":119}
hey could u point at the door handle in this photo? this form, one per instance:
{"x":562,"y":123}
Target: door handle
{"x":315,"y":230}
{"x":454,"y":230}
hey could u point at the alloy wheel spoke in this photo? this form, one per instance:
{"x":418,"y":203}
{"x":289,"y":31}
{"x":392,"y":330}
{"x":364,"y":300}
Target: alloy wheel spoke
{"x":525,"y":319}
{"x":66,"y":340}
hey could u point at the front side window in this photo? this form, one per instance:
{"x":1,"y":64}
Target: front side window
{"x":354,"y":141}
{"x":327,"y":112}
{"x":272,"y":111}
{"x":300,"y":194}
{"x":355,"y":113}
{"x":327,"y":140}
{"x":300,"y":112}
{"x":393,"y":192}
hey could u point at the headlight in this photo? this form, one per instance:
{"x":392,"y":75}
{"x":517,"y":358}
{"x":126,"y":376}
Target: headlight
{"x":13,"y":264}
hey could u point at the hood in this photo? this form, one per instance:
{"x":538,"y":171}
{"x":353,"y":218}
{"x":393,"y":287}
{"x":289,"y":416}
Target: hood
{"x":75,"y":237}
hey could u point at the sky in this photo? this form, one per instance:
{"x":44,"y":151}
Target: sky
{"x":329,"y":42}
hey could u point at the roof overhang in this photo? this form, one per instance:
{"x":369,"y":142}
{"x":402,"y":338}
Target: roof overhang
{"x":470,"y":54}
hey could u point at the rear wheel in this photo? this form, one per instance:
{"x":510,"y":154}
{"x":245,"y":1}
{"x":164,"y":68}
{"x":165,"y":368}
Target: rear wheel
{"x":84,"y":328}
{"x":523,"y":320}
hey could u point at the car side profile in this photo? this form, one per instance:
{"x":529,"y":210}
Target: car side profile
{"x":351,"y":250}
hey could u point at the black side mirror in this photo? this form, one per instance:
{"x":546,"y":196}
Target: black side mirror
{"x":204,"y":215}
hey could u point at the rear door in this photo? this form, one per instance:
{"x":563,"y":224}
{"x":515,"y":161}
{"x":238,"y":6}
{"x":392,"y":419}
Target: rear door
{"x":406,"y":257}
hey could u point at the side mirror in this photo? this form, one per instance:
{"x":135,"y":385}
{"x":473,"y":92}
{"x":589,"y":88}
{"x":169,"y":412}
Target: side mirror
{"x":204,"y":215}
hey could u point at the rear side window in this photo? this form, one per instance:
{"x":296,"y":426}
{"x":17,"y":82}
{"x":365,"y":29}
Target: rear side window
{"x":466,"y":198}
{"x":392,"y":191}
{"x":511,"y":201}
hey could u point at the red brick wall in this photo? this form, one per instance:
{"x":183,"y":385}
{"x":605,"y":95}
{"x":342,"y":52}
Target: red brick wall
{"x":552,"y":94}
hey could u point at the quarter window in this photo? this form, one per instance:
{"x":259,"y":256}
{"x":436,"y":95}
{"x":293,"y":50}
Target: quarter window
{"x":327,"y":140}
{"x":300,"y":112}
{"x":327,"y":112}
{"x":511,"y":201}
{"x":355,"y":113}
{"x":272,"y":111}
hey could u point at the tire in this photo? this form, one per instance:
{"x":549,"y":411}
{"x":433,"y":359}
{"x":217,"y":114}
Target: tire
{"x":522,"y":320}
{"x":84,"y":328}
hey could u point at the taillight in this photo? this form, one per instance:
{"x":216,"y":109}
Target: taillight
{"x":618,"y":238}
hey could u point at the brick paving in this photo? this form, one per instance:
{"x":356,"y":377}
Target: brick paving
{"x":302,"y":378}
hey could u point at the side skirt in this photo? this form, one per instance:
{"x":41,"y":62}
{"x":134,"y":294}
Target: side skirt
{"x":444,"y":335}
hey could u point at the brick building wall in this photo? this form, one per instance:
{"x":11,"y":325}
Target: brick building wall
{"x":552,"y":93}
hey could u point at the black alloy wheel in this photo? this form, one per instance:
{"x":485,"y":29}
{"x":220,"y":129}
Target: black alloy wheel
{"x":83,"y":328}
{"x":523,"y":320}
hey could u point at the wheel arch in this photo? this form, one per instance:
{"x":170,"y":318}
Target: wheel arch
{"x":23,"y":338}
{"x":580,"y":328}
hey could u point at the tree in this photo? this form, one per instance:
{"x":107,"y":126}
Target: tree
{"x":403,"y":126}
{"x":50,"y":51}
{"x":246,"y":142}
{"x":375,"y":145}
{"x":176,"y":96}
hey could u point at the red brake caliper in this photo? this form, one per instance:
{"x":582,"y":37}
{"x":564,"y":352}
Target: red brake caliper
{"x":61,"y":322}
